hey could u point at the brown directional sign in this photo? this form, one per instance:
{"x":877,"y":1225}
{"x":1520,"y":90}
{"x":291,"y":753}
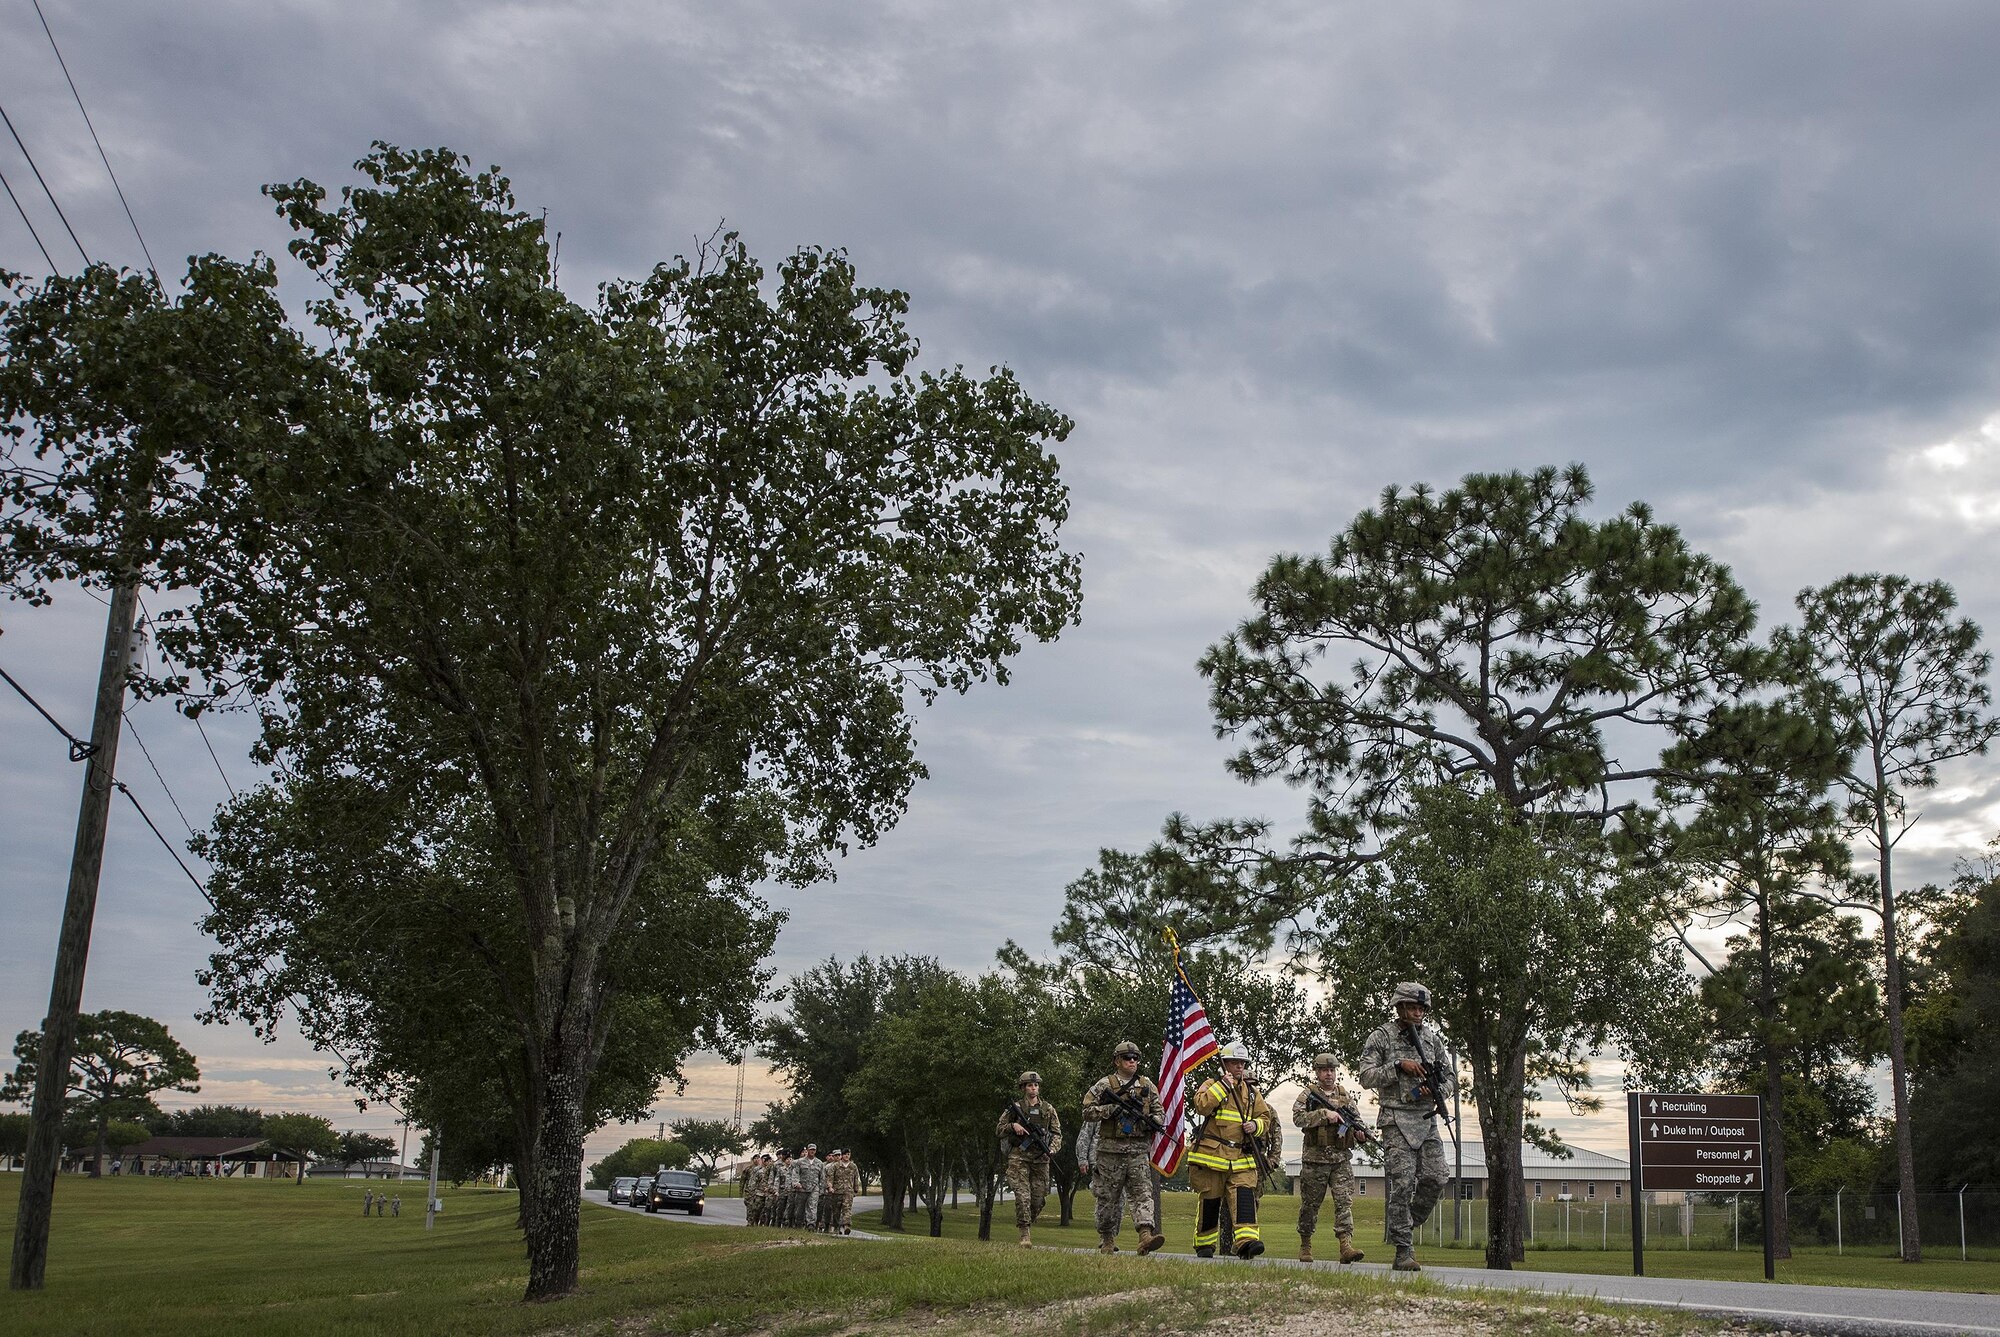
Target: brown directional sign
{"x":1694,"y":1142}
{"x":1697,"y":1142}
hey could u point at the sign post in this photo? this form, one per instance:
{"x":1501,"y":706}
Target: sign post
{"x":1698,"y":1143}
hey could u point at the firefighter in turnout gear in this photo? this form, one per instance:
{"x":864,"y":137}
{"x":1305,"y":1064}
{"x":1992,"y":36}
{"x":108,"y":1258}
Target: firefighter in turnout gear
{"x":1324,"y":1163}
{"x":1030,"y":1135}
{"x":1226,"y":1158}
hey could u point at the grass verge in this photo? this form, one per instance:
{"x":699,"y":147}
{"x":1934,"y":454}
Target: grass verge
{"x":139,"y":1258}
{"x":1279,"y":1215}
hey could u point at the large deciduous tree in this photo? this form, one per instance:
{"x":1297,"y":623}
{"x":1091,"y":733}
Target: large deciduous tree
{"x":708,"y":1141}
{"x":1955,"y":1033}
{"x":120,"y":1060}
{"x":610,"y":591}
{"x":304,"y":1137}
{"x":1493,"y":635}
{"x":1908,"y":679}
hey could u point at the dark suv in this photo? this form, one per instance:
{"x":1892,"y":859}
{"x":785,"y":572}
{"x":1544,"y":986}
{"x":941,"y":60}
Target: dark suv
{"x":675,"y":1188}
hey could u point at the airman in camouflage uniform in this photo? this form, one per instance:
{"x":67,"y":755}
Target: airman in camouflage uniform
{"x":812,"y":1179}
{"x":1325,"y":1162}
{"x":751,"y":1182}
{"x":842,"y":1182}
{"x":1028,"y":1164}
{"x":784,"y":1186}
{"x":1412,"y":1151}
{"x":1126,"y":1108}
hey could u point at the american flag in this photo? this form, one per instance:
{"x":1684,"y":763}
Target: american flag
{"x":1189,"y":1039}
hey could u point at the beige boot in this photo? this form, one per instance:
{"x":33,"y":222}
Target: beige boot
{"x":1153,"y":1239}
{"x":1026,"y":1243}
{"x":1305,"y":1248}
{"x":1104,"y":1244}
{"x":1406,"y":1259}
{"x":1348,"y":1253}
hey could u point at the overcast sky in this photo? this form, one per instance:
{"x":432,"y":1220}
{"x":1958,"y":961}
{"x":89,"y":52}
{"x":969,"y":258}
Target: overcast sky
{"x":1741,"y":261}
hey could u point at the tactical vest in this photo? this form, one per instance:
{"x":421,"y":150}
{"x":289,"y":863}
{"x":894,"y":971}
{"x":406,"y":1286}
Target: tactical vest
{"x":1123,"y":1123}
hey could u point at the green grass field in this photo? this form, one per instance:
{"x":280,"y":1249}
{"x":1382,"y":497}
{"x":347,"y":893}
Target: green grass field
{"x":1279,"y":1218}
{"x":163,"y":1258}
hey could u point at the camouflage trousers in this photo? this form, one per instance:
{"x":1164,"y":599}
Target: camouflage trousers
{"x":1028,"y":1181}
{"x":795,"y":1208}
{"x":1417,"y":1177}
{"x":1315,"y":1179}
{"x":1122,"y":1180}
{"x":840,"y":1215}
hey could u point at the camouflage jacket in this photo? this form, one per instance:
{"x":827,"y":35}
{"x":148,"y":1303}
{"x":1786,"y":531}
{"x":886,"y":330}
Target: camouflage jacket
{"x":1396,"y":1090}
{"x":811,"y":1171}
{"x":1119,"y":1132}
{"x":1039,"y":1115}
{"x":840,"y":1177}
{"x":752,"y":1181}
{"x":1327,"y":1141}
{"x":784,"y":1177}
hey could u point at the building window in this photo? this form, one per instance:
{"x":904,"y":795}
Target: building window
{"x":1618,"y":1192}
{"x":1538,"y":1190}
{"x":1362,"y":1185}
{"x":1590,"y":1189}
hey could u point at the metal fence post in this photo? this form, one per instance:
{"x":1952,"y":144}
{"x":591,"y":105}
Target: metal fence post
{"x":1736,"y":1222}
{"x":1838,"y":1245}
{"x":1899,"y":1223}
{"x":1961,"y":1219}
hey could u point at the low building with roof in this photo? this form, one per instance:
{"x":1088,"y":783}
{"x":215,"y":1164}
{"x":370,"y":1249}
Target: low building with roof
{"x":234,"y":1157}
{"x":1582,"y":1176}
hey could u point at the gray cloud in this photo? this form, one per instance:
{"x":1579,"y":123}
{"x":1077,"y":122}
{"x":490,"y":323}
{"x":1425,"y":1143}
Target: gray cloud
{"x":1738,"y":260}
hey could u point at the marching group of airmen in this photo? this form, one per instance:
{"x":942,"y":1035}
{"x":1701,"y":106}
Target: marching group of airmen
{"x":805,"y":1194}
{"x":1235,"y":1143}
{"x":1238,"y":1139}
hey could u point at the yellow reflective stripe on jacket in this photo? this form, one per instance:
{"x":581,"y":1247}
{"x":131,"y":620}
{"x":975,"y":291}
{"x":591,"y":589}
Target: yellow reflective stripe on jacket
{"x":1228,"y":1115}
{"x":1213,"y":1161}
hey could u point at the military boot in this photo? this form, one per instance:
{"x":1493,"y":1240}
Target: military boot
{"x":1153,"y":1240}
{"x":1248,"y":1249}
{"x":1204,"y":1251}
{"x":1104,"y":1242}
{"x":1305,"y":1248}
{"x":1406,"y":1259}
{"x":1026,"y":1243}
{"x":1348,"y":1253}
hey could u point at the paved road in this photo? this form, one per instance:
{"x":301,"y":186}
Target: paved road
{"x":1850,"y":1311}
{"x":718,"y":1211}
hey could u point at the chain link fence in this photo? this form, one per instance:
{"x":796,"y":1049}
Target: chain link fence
{"x":1951,"y":1225}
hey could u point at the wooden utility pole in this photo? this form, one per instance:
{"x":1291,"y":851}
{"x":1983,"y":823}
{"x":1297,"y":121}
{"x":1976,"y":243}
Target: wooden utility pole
{"x":38,"y":1184}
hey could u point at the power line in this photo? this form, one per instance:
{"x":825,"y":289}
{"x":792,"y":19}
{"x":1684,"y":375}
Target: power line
{"x":78,"y":749}
{"x":33,"y":167}
{"x":150,"y":267}
{"x":212,"y":757}
{"x":29,"y":221}
{"x":164,"y":786}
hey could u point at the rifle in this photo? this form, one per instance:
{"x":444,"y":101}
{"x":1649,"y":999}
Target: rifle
{"x":1350,"y":1117}
{"x":1038,"y":1136}
{"x":1433,"y":1077}
{"x":1122,"y":1097}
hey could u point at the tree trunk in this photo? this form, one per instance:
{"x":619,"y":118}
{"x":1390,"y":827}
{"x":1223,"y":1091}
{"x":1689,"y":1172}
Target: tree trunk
{"x":1497,"y":1093}
{"x":894,"y":1182}
{"x":558,"y":1197}
{"x":1774,"y":1086}
{"x":103,"y":1135}
{"x":1906,"y":1158}
{"x":1066,"y":1186}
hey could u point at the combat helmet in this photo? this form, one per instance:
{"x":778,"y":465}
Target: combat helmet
{"x":1028,"y":1077}
{"x":1126,"y":1049}
{"x":1324,"y":1061}
{"x":1411,"y":992}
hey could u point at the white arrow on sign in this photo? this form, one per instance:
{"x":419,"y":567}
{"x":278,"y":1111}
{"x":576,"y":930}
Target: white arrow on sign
{"x":1749,"y":1154}
{"x":1652,"y":1107}
{"x":1656,"y":1130}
